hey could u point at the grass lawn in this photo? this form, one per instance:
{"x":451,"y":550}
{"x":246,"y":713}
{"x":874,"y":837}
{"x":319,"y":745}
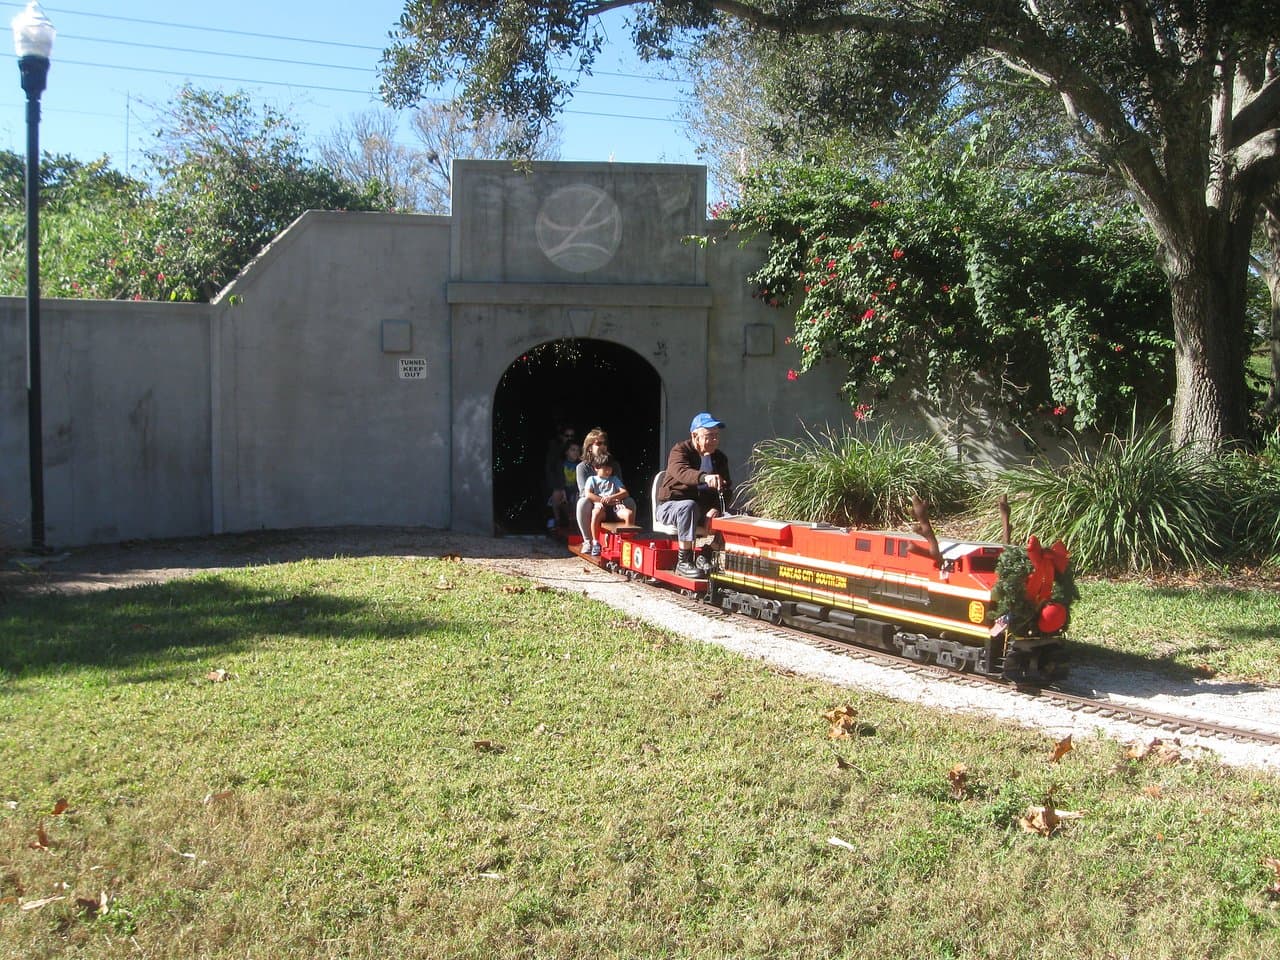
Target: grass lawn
{"x":1183,"y":627}
{"x":420,"y":758}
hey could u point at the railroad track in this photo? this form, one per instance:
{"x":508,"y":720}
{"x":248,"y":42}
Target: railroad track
{"x":1181,"y":725}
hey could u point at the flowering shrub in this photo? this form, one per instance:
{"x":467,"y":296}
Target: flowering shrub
{"x":945,"y":273}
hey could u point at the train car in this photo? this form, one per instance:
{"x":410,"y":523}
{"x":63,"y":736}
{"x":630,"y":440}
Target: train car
{"x":925,"y":599}
{"x":968,"y":606}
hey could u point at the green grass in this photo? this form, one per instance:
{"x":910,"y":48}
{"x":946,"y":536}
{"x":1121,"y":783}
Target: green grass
{"x":1182,"y":628}
{"x":413,"y":758}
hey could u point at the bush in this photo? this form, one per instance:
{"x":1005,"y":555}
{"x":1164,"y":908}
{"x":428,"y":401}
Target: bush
{"x":1136,"y":503}
{"x":1250,"y":483}
{"x":851,"y":481}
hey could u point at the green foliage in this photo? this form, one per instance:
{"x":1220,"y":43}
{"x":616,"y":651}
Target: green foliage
{"x":1135,"y":503}
{"x":1250,"y":482}
{"x":846,"y":479}
{"x":939,"y":274}
{"x":230,"y":181}
{"x":227,"y":180}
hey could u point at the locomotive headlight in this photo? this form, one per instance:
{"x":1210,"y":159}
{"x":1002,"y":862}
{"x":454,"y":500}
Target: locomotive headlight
{"x":1052,"y":618}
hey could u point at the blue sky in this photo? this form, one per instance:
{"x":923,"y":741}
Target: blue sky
{"x":114,"y":63}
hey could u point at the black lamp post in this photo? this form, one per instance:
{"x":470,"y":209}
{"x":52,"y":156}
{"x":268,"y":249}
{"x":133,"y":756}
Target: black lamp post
{"x":33,"y":42}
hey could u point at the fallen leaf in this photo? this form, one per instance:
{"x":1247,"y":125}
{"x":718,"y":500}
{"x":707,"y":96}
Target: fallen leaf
{"x":843,"y":844}
{"x":217,"y":676}
{"x":843,"y":719}
{"x":1061,"y":749}
{"x":218,"y":797}
{"x":543,"y":588}
{"x":649,"y":748}
{"x":93,"y":905}
{"x":1046,"y":820}
{"x":1273,"y":889}
{"x":452,"y":558}
{"x":11,"y":804}
{"x":443,"y":584}
{"x":37,"y":904}
{"x":41,"y":842}
{"x":540,"y":729}
{"x":60,"y":806}
{"x":512,"y":588}
{"x":842,"y":763}
{"x":1152,"y":790}
{"x":958,"y":777}
{"x":487,"y":746}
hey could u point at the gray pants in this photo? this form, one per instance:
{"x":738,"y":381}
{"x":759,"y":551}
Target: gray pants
{"x":584,"y":515}
{"x":683,"y":515}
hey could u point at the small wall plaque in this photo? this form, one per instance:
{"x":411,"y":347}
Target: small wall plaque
{"x":413,"y":368}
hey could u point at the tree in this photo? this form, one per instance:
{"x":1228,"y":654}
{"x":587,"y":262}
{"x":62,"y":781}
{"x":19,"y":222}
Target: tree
{"x":1178,"y":99}
{"x":230,"y":179}
{"x":448,"y":133}
{"x":935,"y":277}
{"x":366,"y":149}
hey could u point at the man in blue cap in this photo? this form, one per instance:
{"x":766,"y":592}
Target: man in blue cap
{"x":696,"y":483}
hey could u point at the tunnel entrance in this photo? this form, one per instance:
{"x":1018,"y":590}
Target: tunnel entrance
{"x":582,"y":384}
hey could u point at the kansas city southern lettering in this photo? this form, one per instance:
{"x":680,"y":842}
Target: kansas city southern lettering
{"x":819,"y":578}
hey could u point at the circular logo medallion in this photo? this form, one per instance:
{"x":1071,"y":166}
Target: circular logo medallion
{"x":578,"y":228}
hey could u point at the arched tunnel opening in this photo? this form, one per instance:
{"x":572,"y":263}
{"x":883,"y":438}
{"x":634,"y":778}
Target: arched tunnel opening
{"x":581,"y":384}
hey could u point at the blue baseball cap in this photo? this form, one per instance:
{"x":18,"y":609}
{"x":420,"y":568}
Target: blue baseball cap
{"x":705,"y":421}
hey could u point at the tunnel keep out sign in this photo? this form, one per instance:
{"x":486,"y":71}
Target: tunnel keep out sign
{"x":413,"y":368}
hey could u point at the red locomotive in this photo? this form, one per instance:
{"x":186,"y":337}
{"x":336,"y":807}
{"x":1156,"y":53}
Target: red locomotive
{"x":970,"y":606}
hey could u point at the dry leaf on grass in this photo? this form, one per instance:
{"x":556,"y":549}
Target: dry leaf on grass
{"x":221,"y":795}
{"x":1157,"y":751}
{"x":93,"y":905}
{"x":512,"y":588}
{"x":217,"y":676}
{"x":1046,"y":820}
{"x":487,"y":746}
{"x":1152,"y":790}
{"x":843,"y":844}
{"x":844,"y":723}
{"x":451,"y":558}
{"x":37,"y":904}
{"x":1060,"y":749}
{"x":842,"y":763}
{"x":1273,"y":889}
{"x":958,"y":777}
{"x":443,"y":584}
{"x":41,"y":842}
{"x":59,"y":807}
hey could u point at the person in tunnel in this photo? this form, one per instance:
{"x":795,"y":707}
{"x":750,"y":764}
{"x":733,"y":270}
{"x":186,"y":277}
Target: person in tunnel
{"x":696,"y":484}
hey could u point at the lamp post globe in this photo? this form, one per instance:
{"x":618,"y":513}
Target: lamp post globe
{"x":33,"y":42}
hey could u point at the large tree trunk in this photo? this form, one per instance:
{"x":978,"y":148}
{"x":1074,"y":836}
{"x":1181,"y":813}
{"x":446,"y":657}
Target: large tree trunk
{"x":1208,"y":288}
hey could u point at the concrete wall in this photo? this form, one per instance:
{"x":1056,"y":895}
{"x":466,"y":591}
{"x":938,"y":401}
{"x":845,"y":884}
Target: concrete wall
{"x":313,"y":425}
{"x":348,"y":375}
{"x":125,"y":403}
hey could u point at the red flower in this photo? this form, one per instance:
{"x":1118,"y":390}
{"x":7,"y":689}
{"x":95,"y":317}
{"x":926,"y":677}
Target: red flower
{"x":862,"y":411}
{"x":831,"y":264}
{"x":792,"y":375}
{"x":876,"y":358}
{"x":1118,"y":348}
{"x":875,"y":204}
{"x":898,"y":253}
{"x":893,"y":285}
{"x":946,"y":288}
{"x":1059,"y":410}
{"x":869,"y":314}
{"x":787,"y":340}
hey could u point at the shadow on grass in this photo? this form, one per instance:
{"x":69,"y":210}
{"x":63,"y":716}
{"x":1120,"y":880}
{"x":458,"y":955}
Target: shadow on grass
{"x":1109,"y":671}
{"x":162,"y":630}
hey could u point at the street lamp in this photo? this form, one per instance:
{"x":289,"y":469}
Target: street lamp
{"x":33,"y":42}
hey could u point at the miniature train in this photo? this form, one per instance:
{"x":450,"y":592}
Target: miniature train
{"x":970,"y":606}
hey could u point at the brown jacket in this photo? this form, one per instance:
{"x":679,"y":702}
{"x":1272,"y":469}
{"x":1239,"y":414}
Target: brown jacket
{"x":684,"y":468}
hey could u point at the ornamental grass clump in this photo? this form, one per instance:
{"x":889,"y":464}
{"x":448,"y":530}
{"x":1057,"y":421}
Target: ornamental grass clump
{"x":1135,"y":503}
{"x":1251,"y":484}
{"x":849,"y":480}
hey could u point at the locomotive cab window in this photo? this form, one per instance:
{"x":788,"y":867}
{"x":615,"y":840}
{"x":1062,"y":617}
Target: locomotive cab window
{"x":863,"y":544}
{"x":903,"y":548}
{"x":888,"y":547}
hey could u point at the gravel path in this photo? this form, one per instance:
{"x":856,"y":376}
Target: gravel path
{"x":100,"y":568}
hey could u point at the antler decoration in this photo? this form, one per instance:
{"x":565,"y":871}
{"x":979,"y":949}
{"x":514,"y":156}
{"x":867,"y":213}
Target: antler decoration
{"x":925,"y":528}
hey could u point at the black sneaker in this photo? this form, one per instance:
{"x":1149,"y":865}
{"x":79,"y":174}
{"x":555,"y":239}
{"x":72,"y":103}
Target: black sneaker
{"x":690,"y":570}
